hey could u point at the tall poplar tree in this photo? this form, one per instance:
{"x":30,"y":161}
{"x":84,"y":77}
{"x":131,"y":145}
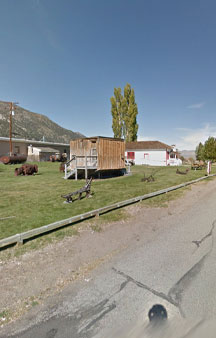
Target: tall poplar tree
{"x":124,"y":112}
{"x":116,"y":110}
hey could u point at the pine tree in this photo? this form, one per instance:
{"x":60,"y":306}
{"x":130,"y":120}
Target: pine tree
{"x":210,"y":149}
{"x":200,"y":152}
{"x":124,"y":112}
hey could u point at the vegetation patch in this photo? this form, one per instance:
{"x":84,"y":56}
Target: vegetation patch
{"x":5,"y":317}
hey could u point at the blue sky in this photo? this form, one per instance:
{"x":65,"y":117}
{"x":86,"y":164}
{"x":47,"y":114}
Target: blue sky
{"x":64,"y":58}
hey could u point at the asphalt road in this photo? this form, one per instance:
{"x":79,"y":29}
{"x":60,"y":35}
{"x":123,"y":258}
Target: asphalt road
{"x":176,"y":268}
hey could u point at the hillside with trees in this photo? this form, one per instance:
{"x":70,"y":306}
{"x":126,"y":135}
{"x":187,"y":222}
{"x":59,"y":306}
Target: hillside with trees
{"x":33,"y":126}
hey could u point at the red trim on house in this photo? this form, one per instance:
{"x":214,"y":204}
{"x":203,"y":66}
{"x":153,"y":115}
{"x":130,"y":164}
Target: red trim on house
{"x":167,"y":157}
{"x":131,"y":155}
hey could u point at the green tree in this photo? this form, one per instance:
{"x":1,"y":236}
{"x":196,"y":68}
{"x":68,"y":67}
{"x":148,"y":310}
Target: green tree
{"x":132,"y":126}
{"x":210,"y":149}
{"x":124,"y":112}
{"x":116,"y":110}
{"x":200,"y":152}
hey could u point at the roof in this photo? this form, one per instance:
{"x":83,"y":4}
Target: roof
{"x":144,"y":145}
{"x":98,"y":137}
{"x":34,"y":141}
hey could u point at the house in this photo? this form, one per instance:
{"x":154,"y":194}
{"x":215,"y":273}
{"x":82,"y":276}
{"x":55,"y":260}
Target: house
{"x":21,"y":146}
{"x":96,"y":155}
{"x":153,"y":153}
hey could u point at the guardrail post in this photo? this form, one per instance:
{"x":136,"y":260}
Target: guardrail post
{"x":20,"y":240}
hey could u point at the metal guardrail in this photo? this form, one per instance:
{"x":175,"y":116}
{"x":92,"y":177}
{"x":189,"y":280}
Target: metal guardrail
{"x":19,"y":238}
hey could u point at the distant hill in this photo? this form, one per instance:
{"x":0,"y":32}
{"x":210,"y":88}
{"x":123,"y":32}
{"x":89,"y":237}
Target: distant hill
{"x":33,"y":126}
{"x":188,"y":153}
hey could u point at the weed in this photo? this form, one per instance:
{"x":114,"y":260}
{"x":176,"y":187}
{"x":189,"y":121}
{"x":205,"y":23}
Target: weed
{"x":34,"y":303}
{"x":96,"y":228}
{"x":5,"y":316}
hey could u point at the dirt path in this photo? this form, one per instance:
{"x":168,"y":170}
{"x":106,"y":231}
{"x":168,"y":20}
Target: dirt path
{"x":28,"y":280}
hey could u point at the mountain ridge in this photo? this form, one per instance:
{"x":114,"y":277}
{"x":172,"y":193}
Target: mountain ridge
{"x":188,"y":153}
{"x":33,"y":126}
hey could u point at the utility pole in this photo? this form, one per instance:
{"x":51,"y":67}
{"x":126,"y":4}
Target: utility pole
{"x":10,"y":128}
{"x":10,"y":124}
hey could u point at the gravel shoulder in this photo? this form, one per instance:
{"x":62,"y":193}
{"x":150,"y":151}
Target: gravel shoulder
{"x":30,"y":279}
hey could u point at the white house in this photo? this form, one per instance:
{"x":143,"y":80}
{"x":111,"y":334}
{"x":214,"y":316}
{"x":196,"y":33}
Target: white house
{"x":153,"y":153}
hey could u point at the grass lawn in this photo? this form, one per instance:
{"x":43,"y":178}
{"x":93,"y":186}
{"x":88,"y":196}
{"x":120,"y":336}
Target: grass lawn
{"x":36,"y":200}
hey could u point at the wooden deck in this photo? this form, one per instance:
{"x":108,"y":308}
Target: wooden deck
{"x":72,"y":168}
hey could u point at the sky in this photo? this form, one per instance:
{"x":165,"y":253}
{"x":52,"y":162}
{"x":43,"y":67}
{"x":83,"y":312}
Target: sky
{"x":64,"y":58}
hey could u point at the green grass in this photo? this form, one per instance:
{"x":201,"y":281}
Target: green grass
{"x":36,"y":200}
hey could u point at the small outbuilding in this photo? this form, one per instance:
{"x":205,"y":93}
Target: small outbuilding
{"x":96,"y":155}
{"x":41,"y":153}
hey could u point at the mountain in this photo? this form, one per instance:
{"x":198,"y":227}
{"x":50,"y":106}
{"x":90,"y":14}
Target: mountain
{"x":33,"y":126}
{"x":188,"y":153}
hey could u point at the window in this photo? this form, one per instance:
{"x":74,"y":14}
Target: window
{"x":131,"y":155}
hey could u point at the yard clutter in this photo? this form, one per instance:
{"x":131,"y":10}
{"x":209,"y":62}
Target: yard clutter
{"x":150,"y":178}
{"x":86,"y":189}
{"x":180,"y":172}
{"x":62,"y":167}
{"x":198,"y":165}
{"x":13,"y":159}
{"x":58,"y":157}
{"x":26,"y":170}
